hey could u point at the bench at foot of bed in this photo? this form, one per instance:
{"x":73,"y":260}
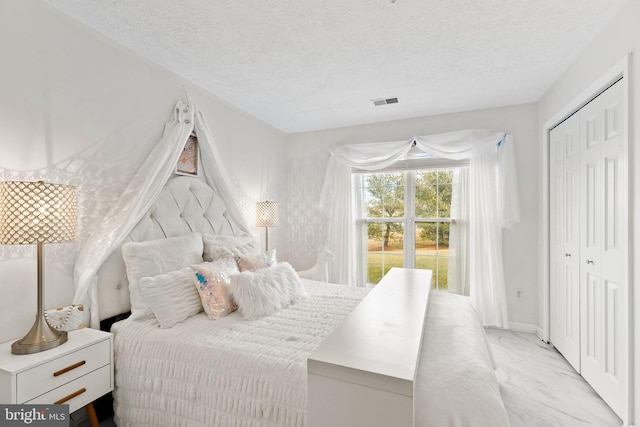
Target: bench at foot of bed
{"x":405,"y":357}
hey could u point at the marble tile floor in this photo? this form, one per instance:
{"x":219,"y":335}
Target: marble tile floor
{"x":540,"y":388}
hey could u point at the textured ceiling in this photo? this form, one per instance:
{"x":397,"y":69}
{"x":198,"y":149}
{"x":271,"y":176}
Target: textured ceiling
{"x":303,"y":65}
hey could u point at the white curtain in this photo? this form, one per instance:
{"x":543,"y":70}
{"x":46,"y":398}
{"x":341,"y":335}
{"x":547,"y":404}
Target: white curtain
{"x":338,"y":203}
{"x":458,"y":272}
{"x":492,"y":204}
{"x":140,"y":193}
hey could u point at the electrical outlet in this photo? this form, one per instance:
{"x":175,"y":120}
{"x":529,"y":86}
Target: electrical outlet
{"x":518,"y":293}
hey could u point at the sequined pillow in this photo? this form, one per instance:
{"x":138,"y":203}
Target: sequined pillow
{"x":257,"y":261}
{"x":211,"y":280}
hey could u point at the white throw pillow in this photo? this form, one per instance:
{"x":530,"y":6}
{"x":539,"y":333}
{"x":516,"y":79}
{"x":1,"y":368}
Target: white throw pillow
{"x":223,"y":246}
{"x":172,"y":296}
{"x":263,"y":292}
{"x":154,"y":257}
{"x":256,"y":261}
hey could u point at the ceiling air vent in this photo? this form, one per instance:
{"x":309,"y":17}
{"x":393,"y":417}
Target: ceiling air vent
{"x":384,"y":101}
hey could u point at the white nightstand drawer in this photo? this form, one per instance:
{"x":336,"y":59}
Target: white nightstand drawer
{"x":50,"y":375}
{"x":79,"y":392}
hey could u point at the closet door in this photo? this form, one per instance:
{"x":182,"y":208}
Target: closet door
{"x":565,"y":242}
{"x":603,"y":248}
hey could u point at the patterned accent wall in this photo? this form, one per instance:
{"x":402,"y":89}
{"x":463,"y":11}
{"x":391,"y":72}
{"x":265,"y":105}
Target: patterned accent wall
{"x":306,"y":223}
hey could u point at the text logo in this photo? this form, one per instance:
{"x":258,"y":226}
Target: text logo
{"x":34,"y":415}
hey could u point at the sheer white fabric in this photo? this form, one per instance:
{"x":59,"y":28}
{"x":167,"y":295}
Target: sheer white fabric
{"x":215,"y":173}
{"x":338,"y":201}
{"x":493,"y":203}
{"x":458,"y":273}
{"x":141,"y":191}
{"x":463,"y":144}
{"x":508,"y":202}
{"x":486,"y":271}
{"x":371,"y":156}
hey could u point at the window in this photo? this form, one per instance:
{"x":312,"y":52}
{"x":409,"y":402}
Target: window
{"x":404,"y":220}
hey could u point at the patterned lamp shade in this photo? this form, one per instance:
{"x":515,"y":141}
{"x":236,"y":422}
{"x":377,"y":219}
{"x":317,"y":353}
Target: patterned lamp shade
{"x":36,"y":212}
{"x":267,"y":214}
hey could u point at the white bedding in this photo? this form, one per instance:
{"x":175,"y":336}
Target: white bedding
{"x":456,"y":385}
{"x":235,"y":372}
{"x":227,"y":372}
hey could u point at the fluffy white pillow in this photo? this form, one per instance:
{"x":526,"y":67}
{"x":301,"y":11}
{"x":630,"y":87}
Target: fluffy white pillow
{"x":256,"y":261}
{"x":263,"y":292}
{"x":223,"y":246}
{"x":172,"y":296}
{"x":154,"y":257}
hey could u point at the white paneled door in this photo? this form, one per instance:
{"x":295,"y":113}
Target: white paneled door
{"x":603,"y":248}
{"x":589,"y":226}
{"x":565,"y":242}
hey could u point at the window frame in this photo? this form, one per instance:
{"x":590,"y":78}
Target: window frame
{"x":409,"y":220}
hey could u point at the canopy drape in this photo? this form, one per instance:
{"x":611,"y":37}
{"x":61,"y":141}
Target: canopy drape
{"x":140,"y":193}
{"x":492,"y":204}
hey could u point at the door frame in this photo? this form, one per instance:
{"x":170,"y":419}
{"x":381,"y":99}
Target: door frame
{"x":616,"y":72}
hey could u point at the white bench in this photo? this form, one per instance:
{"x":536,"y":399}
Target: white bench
{"x":364,"y":373}
{"x":378,"y":368}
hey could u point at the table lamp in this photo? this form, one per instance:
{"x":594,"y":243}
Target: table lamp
{"x":37,"y":213}
{"x":267,"y":216}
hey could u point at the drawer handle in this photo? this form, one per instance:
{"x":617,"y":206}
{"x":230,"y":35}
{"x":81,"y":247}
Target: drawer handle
{"x":68,"y":368}
{"x":71,"y":396}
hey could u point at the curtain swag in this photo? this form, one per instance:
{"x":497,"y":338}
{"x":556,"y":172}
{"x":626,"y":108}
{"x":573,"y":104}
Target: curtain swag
{"x":492,"y":203}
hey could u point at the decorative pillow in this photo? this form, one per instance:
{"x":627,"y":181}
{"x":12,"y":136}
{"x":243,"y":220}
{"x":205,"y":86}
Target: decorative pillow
{"x":222,"y":246}
{"x":257,"y":261}
{"x":263,"y":292}
{"x":211,"y":280}
{"x":154,"y":257}
{"x":172,"y":296}
{"x":213,"y":253}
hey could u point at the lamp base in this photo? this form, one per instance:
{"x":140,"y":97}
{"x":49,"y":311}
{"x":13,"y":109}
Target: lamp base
{"x":41,"y":337}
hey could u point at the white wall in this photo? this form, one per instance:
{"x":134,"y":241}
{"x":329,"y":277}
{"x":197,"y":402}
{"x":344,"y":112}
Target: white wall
{"x":78,"y":108}
{"x":620,"y":37}
{"x":307,"y":159}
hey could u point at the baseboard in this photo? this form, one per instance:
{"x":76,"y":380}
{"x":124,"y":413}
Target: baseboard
{"x":540,"y":333}
{"x":523,"y":327}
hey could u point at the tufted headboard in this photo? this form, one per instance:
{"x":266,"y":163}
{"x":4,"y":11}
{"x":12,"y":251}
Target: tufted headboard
{"x":184,"y":205}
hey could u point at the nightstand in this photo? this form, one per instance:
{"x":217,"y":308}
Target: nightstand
{"x":76,"y":372}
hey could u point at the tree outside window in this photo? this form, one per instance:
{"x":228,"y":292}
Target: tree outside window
{"x":391,"y":207}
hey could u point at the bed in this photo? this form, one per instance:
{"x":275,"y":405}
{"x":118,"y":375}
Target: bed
{"x":225,"y":372}
{"x":235,"y":371}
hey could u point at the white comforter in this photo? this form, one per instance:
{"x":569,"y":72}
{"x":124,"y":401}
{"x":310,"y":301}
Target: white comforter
{"x":232,"y":372}
{"x":228,"y":372}
{"x":456,"y":385}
